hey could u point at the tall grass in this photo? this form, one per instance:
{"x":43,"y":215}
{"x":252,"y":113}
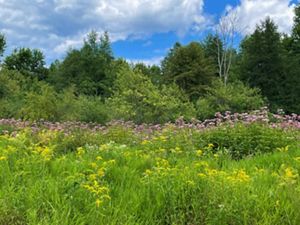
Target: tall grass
{"x":242,"y":174}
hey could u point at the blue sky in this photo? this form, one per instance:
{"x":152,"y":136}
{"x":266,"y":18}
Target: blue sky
{"x":140,"y":30}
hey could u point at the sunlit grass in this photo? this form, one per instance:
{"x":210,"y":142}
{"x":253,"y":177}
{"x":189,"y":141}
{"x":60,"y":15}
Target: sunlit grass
{"x":169,"y":178}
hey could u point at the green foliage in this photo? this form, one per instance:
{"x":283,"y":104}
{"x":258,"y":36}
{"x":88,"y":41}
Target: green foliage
{"x":292,"y":63}
{"x":234,"y":97}
{"x":41,"y":104}
{"x":295,"y":37}
{"x":2,"y":44}
{"x":30,"y":63}
{"x":89,"y":69}
{"x":213,"y":48}
{"x":189,"y":68}
{"x":10,"y":93}
{"x":241,"y":141}
{"x":137,"y":98}
{"x":262,"y":63}
{"x":153,"y":72}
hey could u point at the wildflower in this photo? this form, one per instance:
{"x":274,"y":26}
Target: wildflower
{"x":201,"y":164}
{"x":210,"y":145}
{"x":103,"y":147}
{"x":93,"y":165}
{"x":98,"y":158}
{"x":242,"y":176}
{"x":163,"y":138}
{"x":177,"y":150}
{"x":211,"y":172}
{"x":239,"y":176}
{"x":148,"y":172}
{"x":201,"y":175}
{"x":98,"y":202}
{"x":145,"y":142}
{"x":100,"y":172}
{"x":2,"y":158}
{"x":80,"y":151}
{"x":290,"y":175}
{"x":45,"y":152}
{"x":199,"y":152}
{"x":92,"y":177}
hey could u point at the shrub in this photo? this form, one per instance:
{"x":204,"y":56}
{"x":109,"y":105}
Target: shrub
{"x":137,"y":98}
{"x":235,"y":97}
{"x":41,"y":104}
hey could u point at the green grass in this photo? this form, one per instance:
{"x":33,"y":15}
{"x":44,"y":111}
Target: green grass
{"x":182,"y":177}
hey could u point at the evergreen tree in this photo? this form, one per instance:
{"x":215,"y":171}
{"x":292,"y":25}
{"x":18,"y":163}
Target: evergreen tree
{"x":262,"y":63}
{"x":2,"y":44}
{"x":292,"y":66}
{"x":188,"y":67}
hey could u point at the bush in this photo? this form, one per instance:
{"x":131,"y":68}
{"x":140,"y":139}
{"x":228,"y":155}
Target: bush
{"x":136,"y":98}
{"x":235,"y":97}
{"x":246,"y":140}
{"x":41,"y":104}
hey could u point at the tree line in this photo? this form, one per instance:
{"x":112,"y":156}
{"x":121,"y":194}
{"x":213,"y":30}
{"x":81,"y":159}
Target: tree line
{"x":194,"y":80}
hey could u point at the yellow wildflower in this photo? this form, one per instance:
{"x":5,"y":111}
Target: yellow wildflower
{"x":202,"y":175}
{"x":80,"y":151}
{"x":211,"y":172}
{"x":148,"y":172}
{"x":100,"y":172}
{"x":93,"y":165}
{"x":92,"y":177}
{"x":2,"y":158}
{"x":239,"y":176}
{"x":99,"y":158}
{"x":199,"y":152}
{"x":98,"y":202}
{"x":290,"y":175}
{"x":145,"y":142}
{"x":201,"y":164}
{"x":163,"y":138}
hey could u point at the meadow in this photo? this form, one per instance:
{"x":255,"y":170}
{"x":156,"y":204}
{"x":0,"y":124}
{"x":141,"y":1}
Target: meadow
{"x":234,"y":169}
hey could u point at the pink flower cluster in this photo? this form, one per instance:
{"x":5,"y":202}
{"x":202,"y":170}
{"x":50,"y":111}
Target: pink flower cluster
{"x":263,"y":115}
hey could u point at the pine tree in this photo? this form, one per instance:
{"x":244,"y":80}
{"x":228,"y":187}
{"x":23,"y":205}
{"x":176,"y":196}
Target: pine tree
{"x":262,"y":63}
{"x":188,"y":67}
{"x":292,"y":64}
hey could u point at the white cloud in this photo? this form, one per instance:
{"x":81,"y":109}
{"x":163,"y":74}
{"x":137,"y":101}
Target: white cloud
{"x":252,"y":12}
{"x":148,"y":62}
{"x":56,"y":25}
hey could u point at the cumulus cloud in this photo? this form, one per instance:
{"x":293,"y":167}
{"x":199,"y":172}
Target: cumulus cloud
{"x":251,"y":12}
{"x":56,"y":25}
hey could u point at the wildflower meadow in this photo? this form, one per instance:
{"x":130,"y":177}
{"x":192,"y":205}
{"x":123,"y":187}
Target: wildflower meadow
{"x":234,"y":169}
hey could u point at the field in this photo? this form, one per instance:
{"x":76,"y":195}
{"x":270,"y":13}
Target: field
{"x":234,"y":169}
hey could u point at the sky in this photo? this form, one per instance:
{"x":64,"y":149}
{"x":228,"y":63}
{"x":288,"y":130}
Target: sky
{"x":140,"y":30}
